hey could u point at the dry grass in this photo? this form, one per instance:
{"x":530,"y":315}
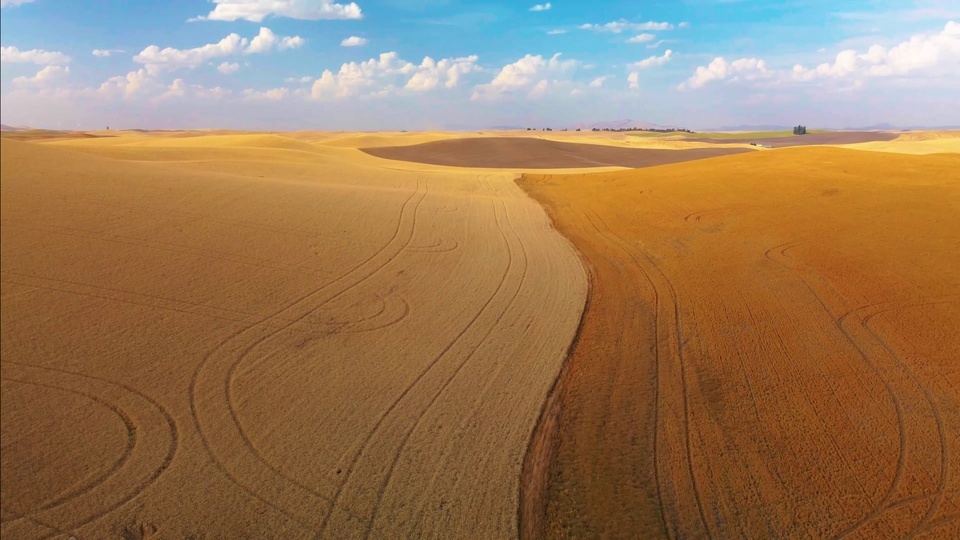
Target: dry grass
{"x":770,"y":350}
{"x":252,"y":335}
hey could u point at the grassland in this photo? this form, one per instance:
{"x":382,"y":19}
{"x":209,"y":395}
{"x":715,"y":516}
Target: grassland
{"x":769,"y":350}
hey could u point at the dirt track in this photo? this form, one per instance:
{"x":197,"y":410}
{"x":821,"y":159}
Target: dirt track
{"x":247,"y":336}
{"x":531,"y":153}
{"x":831,"y":138}
{"x":769,"y":350}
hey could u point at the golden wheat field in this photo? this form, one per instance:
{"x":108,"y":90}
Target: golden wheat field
{"x":281,"y":335}
{"x":237,"y":336}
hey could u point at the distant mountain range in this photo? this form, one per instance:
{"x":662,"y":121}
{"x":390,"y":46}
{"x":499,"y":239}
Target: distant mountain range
{"x":4,"y":127}
{"x":884,"y":126}
{"x":618,"y":124}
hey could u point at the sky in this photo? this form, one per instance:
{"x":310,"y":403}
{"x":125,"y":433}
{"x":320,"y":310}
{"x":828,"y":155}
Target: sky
{"x":471,"y":64}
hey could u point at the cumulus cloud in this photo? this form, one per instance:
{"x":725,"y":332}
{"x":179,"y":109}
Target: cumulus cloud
{"x":274,"y":94}
{"x":35,"y":56}
{"x":929,"y":54}
{"x":301,"y":80}
{"x":531,"y":75}
{"x":43,"y":77}
{"x":257,"y":10}
{"x":227,"y":68}
{"x":266,"y":41}
{"x":125,"y":85}
{"x":719,"y":69}
{"x":390,"y":74}
{"x":372,"y":76}
{"x":541,"y":7}
{"x":598,"y":82}
{"x":633,"y":80}
{"x":652,"y":61}
{"x":641,"y":38}
{"x":13,"y":3}
{"x":157,"y":60}
{"x":923,"y":55}
{"x":353,"y":41}
{"x":624,"y":25}
{"x":179,"y":89}
{"x":430,"y":73}
{"x":104,"y":53}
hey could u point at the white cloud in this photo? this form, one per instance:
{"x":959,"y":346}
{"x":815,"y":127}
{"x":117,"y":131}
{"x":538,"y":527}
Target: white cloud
{"x":657,"y":44}
{"x":168,"y":59}
{"x":598,"y":82}
{"x":530,"y":75}
{"x":353,"y":41}
{"x":541,"y":7}
{"x":355,"y":78}
{"x":127,"y":85}
{"x":257,"y":10}
{"x":641,"y":38}
{"x":633,"y":80}
{"x":556,"y":32}
{"x":44,"y":76}
{"x":923,"y":55}
{"x":103,"y":53}
{"x":539,"y":90}
{"x":683,"y":24}
{"x":266,"y":40}
{"x":157,"y":60}
{"x":179,"y":89}
{"x":448,"y":71}
{"x":623,"y":25}
{"x":176,"y":89}
{"x":36,"y":56}
{"x":302,"y":80}
{"x":227,"y":68}
{"x":13,"y":3}
{"x":390,"y":74}
{"x":934,"y":54}
{"x":652,"y":61}
{"x":719,"y":69}
{"x":274,"y":94}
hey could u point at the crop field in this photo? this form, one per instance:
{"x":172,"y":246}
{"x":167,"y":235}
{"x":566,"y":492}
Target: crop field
{"x":769,"y":350}
{"x":216,"y":334}
{"x":296,"y":340}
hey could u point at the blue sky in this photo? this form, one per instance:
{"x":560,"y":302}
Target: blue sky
{"x":465,"y":64}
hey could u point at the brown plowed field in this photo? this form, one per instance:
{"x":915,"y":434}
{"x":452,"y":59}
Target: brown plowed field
{"x":770,"y":350}
{"x":830,"y":137}
{"x":531,"y":153}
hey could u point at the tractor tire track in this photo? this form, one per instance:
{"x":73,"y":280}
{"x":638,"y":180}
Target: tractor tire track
{"x":140,"y":411}
{"x":223,"y":362}
{"x":502,"y":312}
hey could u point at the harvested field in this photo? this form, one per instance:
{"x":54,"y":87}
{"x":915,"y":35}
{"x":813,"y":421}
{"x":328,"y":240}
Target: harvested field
{"x":249,"y":336}
{"x":769,"y":351}
{"x":821,"y":137}
{"x":531,"y":153}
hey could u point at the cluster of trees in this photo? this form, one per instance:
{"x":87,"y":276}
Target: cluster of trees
{"x":800,"y":130}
